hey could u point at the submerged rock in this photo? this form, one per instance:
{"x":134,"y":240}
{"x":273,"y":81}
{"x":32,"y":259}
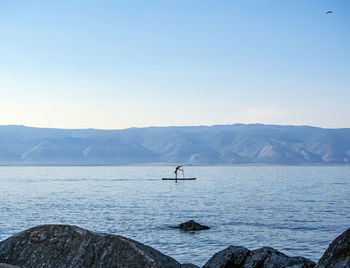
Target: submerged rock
{"x":338,"y":253}
{"x":71,"y":246}
{"x":266,"y":257}
{"x":192,"y":226}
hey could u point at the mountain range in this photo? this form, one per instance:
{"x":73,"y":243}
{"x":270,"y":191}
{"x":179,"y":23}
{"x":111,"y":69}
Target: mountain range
{"x":191,"y":145}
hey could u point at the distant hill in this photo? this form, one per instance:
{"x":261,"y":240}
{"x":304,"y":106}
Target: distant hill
{"x":197,"y":145}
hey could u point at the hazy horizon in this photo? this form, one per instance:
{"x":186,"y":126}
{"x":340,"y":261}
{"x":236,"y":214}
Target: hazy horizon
{"x":170,"y":126}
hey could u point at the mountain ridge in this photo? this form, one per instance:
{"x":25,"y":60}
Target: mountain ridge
{"x":192,"y":145}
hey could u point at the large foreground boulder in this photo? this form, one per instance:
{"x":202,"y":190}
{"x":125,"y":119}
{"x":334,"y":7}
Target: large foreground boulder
{"x":266,"y":257}
{"x":338,"y":253}
{"x":71,"y":246}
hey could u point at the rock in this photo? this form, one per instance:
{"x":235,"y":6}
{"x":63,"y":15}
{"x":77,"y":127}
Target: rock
{"x":192,"y":226}
{"x":4,"y":265}
{"x":71,"y":246}
{"x":270,"y":257}
{"x":229,"y":257}
{"x":338,"y":252}
{"x":266,"y":257}
{"x":189,"y":265}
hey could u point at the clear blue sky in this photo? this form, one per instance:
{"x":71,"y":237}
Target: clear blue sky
{"x":117,"y":64}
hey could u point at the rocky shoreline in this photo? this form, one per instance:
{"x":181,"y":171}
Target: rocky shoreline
{"x":72,"y":246}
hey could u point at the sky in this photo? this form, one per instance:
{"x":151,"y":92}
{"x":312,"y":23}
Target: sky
{"x":119,"y":64}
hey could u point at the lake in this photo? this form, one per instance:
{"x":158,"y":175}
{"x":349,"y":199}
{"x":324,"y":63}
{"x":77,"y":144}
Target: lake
{"x":299,"y":210}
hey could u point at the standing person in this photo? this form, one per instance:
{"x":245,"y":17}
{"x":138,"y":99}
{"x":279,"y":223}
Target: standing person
{"x":176,"y":170}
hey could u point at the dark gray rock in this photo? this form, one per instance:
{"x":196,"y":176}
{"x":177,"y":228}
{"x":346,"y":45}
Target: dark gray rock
{"x":230,"y":257}
{"x":71,"y":246}
{"x":338,"y":253}
{"x":271,"y":258}
{"x":4,"y":265}
{"x":266,"y":257}
{"x":192,"y":226}
{"x":189,"y":265}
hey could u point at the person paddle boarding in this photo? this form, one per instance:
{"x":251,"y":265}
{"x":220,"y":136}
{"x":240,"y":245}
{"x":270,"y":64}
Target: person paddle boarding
{"x":176,"y":170}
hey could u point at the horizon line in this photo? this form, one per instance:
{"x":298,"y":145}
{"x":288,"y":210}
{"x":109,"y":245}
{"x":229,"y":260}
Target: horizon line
{"x":176,"y":126}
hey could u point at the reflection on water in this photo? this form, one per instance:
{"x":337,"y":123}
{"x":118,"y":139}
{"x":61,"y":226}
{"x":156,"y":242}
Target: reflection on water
{"x":297,"y":210}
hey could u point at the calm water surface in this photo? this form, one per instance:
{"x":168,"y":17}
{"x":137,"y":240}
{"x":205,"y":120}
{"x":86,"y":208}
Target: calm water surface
{"x":297,"y":210}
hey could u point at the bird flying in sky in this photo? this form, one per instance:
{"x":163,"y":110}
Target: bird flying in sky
{"x":329,"y":12}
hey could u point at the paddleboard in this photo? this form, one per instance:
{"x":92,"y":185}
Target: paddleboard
{"x":179,"y":179}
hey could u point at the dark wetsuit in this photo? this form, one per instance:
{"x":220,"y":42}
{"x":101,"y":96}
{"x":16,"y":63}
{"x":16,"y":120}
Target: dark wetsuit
{"x":176,"y":170}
